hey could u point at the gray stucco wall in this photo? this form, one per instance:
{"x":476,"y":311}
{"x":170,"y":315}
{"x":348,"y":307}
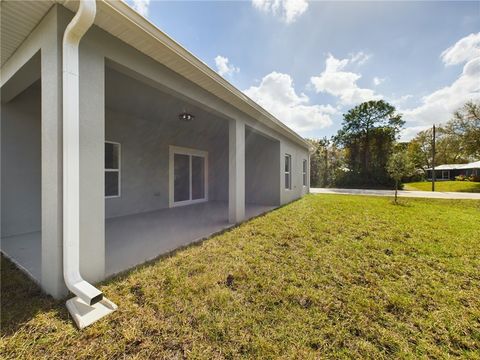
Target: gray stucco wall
{"x":298,"y":154}
{"x":262,"y":170}
{"x":21,"y":163}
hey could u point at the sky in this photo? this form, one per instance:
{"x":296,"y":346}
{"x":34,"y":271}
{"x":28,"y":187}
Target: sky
{"x":308,"y":63}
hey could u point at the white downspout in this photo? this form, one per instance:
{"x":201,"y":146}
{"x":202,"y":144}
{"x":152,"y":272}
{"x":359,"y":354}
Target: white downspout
{"x":88,"y":305}
{"x":71,"y":154}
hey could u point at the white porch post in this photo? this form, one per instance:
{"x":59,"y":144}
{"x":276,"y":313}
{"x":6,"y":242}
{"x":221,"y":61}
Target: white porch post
{"x":52,"y":209}
{"x":92,"y":163}
{"x":236,"y":171}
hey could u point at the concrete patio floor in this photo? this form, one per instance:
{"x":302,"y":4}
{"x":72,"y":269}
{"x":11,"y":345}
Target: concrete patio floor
{"x":25,"y":251}
{"x":134,"y":239}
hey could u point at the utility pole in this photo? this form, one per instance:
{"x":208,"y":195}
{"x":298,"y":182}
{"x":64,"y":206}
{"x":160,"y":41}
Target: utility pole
{"x":433,"y":159}
{"x":325,"y":179}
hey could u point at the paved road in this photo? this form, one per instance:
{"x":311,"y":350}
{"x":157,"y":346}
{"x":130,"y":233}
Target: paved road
{"x":402,"y":193}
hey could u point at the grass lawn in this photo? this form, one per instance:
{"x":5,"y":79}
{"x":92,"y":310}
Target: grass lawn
{"x":457,"y":186}
{"x":326,"y":276}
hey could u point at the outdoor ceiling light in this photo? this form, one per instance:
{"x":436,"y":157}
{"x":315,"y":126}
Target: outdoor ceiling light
{"x":186,"y":116}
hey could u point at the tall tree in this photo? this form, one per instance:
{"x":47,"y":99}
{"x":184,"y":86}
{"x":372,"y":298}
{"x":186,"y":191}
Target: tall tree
{"x":419,"y":150}
{"x":449,"y":148}
{"x":399,"y":166}
{"x":326,"y":161}
{"x":464,"y":128}
{"x":318,"y":169}
{"x":368,"y":133}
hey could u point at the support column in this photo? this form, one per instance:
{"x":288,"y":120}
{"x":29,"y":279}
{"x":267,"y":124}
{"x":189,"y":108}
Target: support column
{"x":236,"y":171}
{"x":92,"y":163}
{"x":52,"y":168}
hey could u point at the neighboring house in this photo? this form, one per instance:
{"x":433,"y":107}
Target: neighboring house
{"x":168,"y":151}
{"x":449,"y":171}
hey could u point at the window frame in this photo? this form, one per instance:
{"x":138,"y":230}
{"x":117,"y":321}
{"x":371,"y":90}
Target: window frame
{"x":304,"y":172}
{"x":289,"y":172}
{"x":189,"y":152}
{"x":119,"y":170}
{"x":445,"y":172}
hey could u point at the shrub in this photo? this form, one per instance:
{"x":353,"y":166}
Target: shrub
{"x":417,"y":176}
{"x":460,"y":178}
{"x":474,"y":178}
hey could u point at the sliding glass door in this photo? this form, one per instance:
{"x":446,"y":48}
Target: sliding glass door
{"x":198,"y":177}
{"x":181,"y":175}
{"x":188,"y":176}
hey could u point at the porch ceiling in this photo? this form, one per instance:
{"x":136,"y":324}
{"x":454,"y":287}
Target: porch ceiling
{"x":18,"y":19}
{"x":130,"y":96}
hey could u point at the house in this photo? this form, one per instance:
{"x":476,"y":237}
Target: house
{"x":450,"y":171}
{"x":118,"y":145}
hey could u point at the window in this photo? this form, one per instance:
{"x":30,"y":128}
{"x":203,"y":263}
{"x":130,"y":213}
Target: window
{"x":288,"y":172}
{"x":188,"y":176}
{"x":445,"y":174}
{"x":112,"y":169}
{"x":304,"y":172}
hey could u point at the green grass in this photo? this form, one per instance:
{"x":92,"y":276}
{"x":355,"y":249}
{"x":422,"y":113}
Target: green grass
{"x":456,"y":186}
{"x":328,"y":276}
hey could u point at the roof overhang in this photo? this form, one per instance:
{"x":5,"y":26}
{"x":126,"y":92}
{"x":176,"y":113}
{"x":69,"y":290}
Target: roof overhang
{"x":472,"y":165}
{"x":19,"y":18}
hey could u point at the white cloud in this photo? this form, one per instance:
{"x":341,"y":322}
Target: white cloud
{"x":465,"y":49}
{"x":439,"y":106}
{"x":288,"y":10}
{"x":141,"y":6}
{"x":343,"y":84}
{"x":359,"y":58}
{"x":277,"y":94}
{"x":402,"y":99}
{"x":224,"y":67}
{"x":377,"y":81}
{"x":409,"y":133}
{"x":399,"y":102}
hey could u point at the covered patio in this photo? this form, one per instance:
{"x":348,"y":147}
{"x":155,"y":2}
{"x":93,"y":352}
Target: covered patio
{"x":142,"y":217}
{"x":134,"y":239}
{"x":165,"y":202}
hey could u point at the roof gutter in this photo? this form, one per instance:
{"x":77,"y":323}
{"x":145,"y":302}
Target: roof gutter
{"x":89,"y":304}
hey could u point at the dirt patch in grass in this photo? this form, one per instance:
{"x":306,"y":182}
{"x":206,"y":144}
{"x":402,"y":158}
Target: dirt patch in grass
{"x":327,"y":276}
